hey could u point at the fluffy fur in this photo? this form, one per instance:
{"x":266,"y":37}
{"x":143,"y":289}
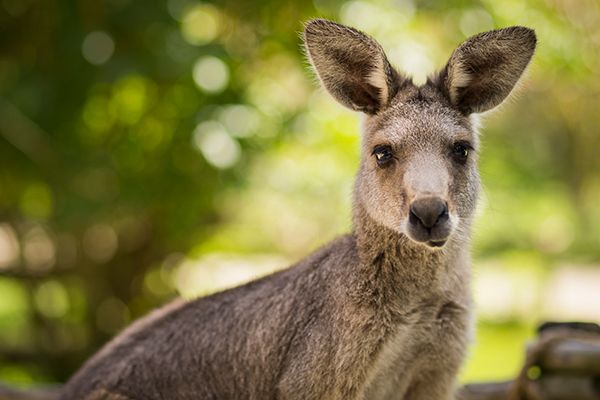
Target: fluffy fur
{"x":372,"y":315}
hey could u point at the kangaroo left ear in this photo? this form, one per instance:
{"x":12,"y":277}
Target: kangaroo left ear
{"x":351,"y":66}
{"x":484,"y":69}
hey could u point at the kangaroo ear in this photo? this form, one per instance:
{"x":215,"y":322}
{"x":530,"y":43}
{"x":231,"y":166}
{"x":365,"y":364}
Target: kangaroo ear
{"x":351,"y":66}
{"x":483,"y":70}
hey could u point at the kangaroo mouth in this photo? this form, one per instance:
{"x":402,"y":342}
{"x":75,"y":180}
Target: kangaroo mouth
{"x":436,"y":243}
{"x":433,"y":238}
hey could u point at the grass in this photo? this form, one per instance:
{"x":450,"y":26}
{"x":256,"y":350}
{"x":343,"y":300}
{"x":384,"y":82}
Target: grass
{"x":498,"y":351}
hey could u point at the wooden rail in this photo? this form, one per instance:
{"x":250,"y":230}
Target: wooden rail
{"x":562,"y":364}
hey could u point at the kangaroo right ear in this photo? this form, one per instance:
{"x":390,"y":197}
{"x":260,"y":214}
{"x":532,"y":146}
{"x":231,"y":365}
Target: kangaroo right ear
{"x":351,"y":66}
{"x":483,"y":70}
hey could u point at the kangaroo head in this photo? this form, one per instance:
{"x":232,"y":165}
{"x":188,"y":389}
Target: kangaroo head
{"x":418,"y":174}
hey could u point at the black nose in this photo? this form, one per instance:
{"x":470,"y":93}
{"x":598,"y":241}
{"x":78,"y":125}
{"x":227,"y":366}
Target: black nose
{"x":428,"y":211}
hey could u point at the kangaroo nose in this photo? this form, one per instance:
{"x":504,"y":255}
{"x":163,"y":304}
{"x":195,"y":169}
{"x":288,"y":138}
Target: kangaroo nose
{"x":428,"y":211}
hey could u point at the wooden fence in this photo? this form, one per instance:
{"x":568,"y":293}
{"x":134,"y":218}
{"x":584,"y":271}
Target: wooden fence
{"x":562,"y":364}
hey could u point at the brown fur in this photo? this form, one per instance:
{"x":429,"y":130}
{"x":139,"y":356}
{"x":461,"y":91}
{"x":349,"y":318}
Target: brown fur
{"x":377,"y":314}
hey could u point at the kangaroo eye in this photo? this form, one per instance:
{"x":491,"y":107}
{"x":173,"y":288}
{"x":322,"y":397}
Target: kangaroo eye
{"x":383,"y":155}
{"x":460,"y":151}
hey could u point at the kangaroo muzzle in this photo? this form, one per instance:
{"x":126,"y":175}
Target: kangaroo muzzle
{"x":429,"y":221}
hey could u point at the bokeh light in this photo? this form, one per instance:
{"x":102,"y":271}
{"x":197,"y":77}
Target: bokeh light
{"x":200,"y":24}
{"x":51,"y":299}
{"x":211,"y":74}
{"x":97,"y":47}
{"x":38,"y":249}
{"x":216,"y":145}
{"x":36,"y":201}
{"x":240,"y":120}
{"x":100,"y":242}
{"x":9,"y":246}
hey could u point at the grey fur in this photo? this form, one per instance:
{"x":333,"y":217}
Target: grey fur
{"x":375,"y":314}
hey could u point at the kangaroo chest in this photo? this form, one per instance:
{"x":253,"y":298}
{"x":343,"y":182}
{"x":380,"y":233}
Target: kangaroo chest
{"x":433,"y":338}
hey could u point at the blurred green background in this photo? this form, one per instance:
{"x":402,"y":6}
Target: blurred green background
{"x":151,"y":148}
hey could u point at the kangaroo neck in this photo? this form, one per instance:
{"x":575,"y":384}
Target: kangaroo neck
{"x":394,"y":266}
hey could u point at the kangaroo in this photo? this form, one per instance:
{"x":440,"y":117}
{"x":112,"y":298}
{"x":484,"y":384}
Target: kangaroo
{"x":383,"y":312}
